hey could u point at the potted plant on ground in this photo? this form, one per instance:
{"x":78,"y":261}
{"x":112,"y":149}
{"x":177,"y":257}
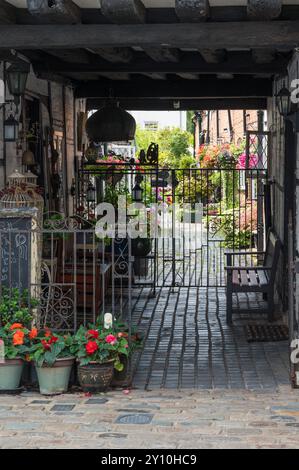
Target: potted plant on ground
{"x":53,"y":361}
{"x":123,"y":377}
{"x":14,"y":347}
{"x":98,"y":353}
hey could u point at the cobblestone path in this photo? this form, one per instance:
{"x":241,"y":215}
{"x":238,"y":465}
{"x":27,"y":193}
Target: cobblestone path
{"x":172,"y":419}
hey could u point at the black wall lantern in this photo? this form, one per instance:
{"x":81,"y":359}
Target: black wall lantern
{"x":286,"y":108}
{"x":11,"y":129}
{"x":91,"y":193}
{"x":16,"y":78}
{"x":137,"y":193}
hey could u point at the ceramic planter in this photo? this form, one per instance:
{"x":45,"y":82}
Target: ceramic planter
{"x":10,"y":374}
{"x":54,"y":380}
{"x":95,"y":377}
{"x":123,"y":378}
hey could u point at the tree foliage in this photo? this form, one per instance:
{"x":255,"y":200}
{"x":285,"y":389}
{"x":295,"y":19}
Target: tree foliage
{"x":174,"y":144}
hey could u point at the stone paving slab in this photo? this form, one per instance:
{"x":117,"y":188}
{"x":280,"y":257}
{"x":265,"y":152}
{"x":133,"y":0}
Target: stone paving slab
{"x":187,"y":343}
{"x":183,"y":419}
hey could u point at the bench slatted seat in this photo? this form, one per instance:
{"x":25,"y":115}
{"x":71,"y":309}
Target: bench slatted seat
{"x":253,"y":278}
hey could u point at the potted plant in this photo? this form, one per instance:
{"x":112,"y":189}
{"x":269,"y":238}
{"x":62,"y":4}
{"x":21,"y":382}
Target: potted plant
{"x":15,"y":307}
{"x":123,"y":378}
{"x":14,"y":347}
{"x":53,"y":361}
{"x":98,"y":353}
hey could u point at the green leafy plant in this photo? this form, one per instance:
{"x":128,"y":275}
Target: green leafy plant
{"x":46,"y":347}
{"x":122,"y":329}
{"x":235,"y":235}
{"x":16,"y":306}
{"x":16,"y":340}
{"x":94,"y":344}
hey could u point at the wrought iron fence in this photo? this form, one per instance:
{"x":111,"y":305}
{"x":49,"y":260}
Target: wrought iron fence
{"x":74,"y":276}
{"x":64,"y":274}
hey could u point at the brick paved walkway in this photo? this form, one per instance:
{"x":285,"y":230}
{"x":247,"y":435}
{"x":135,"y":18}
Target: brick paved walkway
{"x":189,"y":345}
{"x":186,"y":419}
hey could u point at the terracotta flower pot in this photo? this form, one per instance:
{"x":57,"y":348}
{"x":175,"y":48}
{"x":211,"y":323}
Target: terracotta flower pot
{"x":54,"y":380}
{"x":10,"y":374}
{"x":95,"y":377}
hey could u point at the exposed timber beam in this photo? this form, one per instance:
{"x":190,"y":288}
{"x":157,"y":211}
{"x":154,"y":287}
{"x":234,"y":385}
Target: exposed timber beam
{"x":155,"y":76}
{"x":263,"y":56}
{"x":184,"y":104}
{"x":124,"y":11}
{"x":7,"y":13}
{"x":115,"y":54}
{"x":192,"y":11}
{"x":202,"y":88}
{"x":133,"y":11}
{"x":251,"y":34}
{"x":213,"y":57}
{"x":163,"y":54}
{"x":264,"y":9}
{"x":70,"y":56}
{"x":191,"y":62}
{"x":116,"y":76}
{"x":188,"y":76}
{"x":54,"y":11}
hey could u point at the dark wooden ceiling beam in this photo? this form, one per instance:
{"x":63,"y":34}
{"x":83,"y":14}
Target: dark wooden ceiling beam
{"x":115,"y":55}
{"x":184,"y":104}
{"x":124,"y":11}
{"x":192,"y":11}
{"x":7,"y":13}
{"x":155,"y":76}
{"x":202,"y":88}
{"x":187,"y":76}
{"x":130,"y":12}
{"x":264,"y":9}
{"x":251,"y":34}
{"x":263,"y":56}
{"x":79,"y":56}
{"x":191,"y":62}
{"x":54,"y":11}
{"x":163,"y":54}
{"x":213,"y":56}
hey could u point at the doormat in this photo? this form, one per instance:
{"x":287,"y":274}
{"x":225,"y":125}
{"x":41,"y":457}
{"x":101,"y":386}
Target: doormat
{"x":264,"y":333}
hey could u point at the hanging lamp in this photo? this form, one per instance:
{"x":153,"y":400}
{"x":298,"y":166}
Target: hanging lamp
{"x":111,"y":123}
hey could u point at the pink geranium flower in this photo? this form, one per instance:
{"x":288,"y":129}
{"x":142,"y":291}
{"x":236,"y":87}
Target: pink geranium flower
{"x":111,"y":339}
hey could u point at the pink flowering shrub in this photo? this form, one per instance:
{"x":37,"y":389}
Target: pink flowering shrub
{"x":253,"y":161}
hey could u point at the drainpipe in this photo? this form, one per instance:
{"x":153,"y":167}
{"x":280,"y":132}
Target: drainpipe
{"x":230,"y":126}
{"x":4,"y":117}
{"x":208,"y":128}
{"x":244,"y":122}
{"x":260,"y":185}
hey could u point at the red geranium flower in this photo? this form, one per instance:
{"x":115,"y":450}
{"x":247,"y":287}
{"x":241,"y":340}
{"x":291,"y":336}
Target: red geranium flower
{"x":93,"y":333}
{"x":53,"y":339}
{"x":91,"y":347}
{"x":46,"y":345}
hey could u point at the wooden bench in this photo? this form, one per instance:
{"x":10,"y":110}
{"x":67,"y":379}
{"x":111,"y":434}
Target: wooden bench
{"x":260,"y":278}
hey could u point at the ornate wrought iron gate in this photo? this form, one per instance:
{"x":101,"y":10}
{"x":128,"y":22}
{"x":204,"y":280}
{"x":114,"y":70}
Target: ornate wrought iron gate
{"x":218,"y":210}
